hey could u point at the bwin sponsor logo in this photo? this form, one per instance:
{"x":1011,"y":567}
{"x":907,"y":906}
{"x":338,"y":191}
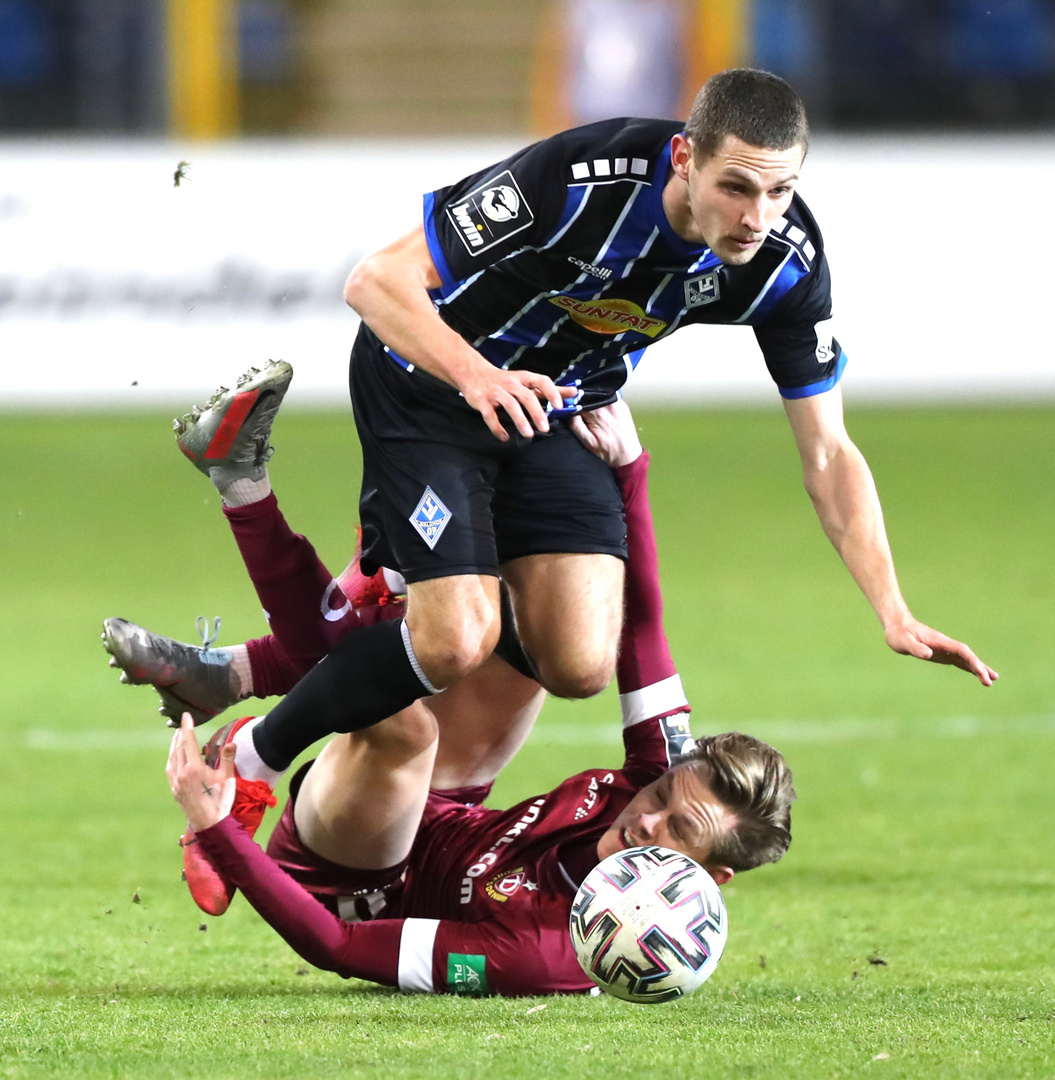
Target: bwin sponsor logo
{"x":460,"y":214}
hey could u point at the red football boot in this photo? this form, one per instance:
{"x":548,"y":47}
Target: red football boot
{"x":363,"y":591}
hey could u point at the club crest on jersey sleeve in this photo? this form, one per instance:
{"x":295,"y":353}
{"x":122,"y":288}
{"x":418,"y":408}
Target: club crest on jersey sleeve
{"x":491,"y":213}
{"x":701,"y":290}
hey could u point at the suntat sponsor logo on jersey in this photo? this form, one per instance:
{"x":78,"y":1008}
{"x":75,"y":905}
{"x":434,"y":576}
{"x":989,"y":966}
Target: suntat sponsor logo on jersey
{"x":609,"y":316}
{"x":602,"y":272}
{"x":590,"y":801}
{"x":507,"y":883}
{"x":489,"y":858}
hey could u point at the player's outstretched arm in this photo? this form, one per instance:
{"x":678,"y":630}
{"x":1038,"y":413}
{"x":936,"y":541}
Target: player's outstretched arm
{"x":644,"y":655}
{"x":839,"y":482}
{"x":389,"y":289}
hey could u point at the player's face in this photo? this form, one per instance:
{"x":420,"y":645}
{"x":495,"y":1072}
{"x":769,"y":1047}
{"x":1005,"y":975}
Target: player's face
{"x":677,"y":811}
{"x":736,"y":196}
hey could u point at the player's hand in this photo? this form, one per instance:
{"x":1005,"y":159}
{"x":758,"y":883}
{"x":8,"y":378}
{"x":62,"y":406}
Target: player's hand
{"x":913,"y":638}
{"x":610,"y":432}
{"x":205,"y":794}
{"x":519,"y":394}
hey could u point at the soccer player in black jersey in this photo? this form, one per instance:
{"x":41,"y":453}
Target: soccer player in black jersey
{"x":526,"y":296}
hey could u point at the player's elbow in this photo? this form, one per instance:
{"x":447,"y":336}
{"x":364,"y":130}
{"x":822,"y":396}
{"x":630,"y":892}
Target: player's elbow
{"x":823,"y":466}
{"x":361,"y":281}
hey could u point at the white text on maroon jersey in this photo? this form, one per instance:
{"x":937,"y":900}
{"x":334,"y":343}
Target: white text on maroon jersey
{"x":489,"y":858}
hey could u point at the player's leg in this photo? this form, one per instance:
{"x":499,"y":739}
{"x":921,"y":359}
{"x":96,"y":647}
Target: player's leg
{"x":569,"y":612}
{"x":361,"y":801}
{"x":483,"y":722}
{"x":198,"y":679}
{"x":230,"y":441}
{"x":425,"y":509}
{"x":562,"y":540}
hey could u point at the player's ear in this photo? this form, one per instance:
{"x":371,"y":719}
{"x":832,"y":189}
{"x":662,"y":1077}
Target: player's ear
{"x":721,"y":874}
{"x":680,"y":156}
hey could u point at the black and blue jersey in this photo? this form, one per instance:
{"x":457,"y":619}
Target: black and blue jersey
{"x":561,"y":260}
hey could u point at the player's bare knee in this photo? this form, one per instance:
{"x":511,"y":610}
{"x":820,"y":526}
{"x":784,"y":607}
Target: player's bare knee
{"x":403,"y":736}
{"x":448,"y":655}
{"x":582,"y":681}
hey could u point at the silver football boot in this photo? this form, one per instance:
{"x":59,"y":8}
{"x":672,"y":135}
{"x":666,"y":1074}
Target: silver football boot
{"x":189,"y":678}
{"x":230,"y":438}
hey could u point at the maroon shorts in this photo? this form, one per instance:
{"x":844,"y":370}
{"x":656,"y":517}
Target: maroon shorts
{"x":354,"y":895}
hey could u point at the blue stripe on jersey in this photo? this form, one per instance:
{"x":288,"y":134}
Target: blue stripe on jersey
{"x":433,"y":241}
{"x":786,"y":276}
{"x":399,"y":359}
{"x":632,"y":359}
{"x":796,"y":392}
{"x":573,"y":207}
{"x":535,"y":323}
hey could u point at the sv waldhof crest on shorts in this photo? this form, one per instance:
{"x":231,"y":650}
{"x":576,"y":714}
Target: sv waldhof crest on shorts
{"x":430,"y":518}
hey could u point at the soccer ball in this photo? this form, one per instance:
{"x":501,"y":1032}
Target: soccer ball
{"x":648,"y":925}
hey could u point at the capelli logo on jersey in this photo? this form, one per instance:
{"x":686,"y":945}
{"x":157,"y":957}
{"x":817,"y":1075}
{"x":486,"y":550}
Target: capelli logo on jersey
{"x":602,"y":272}
{"x":610,"y":316}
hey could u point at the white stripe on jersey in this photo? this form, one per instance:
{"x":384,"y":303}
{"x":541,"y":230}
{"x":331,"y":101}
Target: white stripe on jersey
{"x":768,"y":285}
{"x":596,"y":260}
{"x":661,"y":697}
{"x":571,"y":221}
{"x":659,"y":289}
{"x":461,"y":288}
{"x":416,"y":943}
{"x":644,"y":251}
{"x":514,"y":319}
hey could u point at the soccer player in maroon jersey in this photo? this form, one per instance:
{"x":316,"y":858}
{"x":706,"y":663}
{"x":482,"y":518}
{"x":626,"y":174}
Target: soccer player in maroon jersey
{"x":374,"y":874}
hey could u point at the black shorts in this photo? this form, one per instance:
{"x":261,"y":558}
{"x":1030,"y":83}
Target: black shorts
{"x":442,"y":496}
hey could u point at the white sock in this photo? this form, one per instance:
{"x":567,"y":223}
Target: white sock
{"x":394,"y":580}
{"x":247,"y":761}
{"x":245,"y":491}
{"x":241,"y":671}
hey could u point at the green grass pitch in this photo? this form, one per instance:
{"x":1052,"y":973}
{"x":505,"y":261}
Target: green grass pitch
{"x":909,"y":933}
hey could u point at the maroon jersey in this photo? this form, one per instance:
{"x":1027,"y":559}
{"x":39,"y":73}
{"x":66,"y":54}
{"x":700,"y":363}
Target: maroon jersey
{"x":484,"y":902}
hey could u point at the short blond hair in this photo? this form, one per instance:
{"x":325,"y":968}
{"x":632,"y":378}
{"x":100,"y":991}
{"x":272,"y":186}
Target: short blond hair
{"x":753,"y":780}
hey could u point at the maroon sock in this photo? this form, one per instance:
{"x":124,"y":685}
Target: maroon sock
{"x":272,"y":670}
{"x":308,"y":613}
